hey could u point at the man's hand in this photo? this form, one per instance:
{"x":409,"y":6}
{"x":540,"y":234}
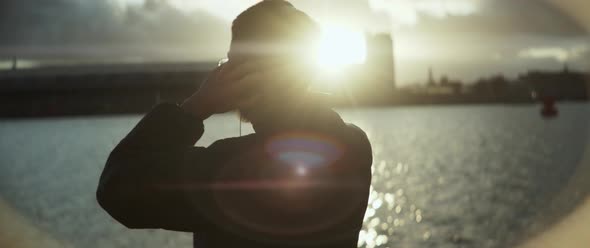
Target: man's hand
{"x":232,"y":86}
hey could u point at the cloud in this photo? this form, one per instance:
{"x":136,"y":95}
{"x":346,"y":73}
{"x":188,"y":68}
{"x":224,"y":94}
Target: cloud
{"x":407,"y":12}
{"x":559,"y":54}
{"x":487,"y":17}
{"x":109,"y":29}
{"x":351,"y":13}
{"x":500,"y":36}
{"x":226,"y":9}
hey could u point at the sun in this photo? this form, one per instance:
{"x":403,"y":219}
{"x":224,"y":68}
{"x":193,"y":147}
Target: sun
{"x":339,"y":47}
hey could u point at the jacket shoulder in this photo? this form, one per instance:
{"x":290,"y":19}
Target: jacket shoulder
{"x":358,"y":133}
{"x":359,"y":142}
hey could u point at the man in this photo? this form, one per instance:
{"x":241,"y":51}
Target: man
{"x":301,"y":180}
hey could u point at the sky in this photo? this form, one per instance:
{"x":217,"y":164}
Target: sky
{"x":463,"y":39}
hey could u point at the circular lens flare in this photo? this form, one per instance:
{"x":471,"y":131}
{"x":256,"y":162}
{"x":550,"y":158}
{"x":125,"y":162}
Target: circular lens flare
{"x":303,"y":151}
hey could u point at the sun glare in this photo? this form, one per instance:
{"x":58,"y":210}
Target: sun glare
{"x":340,"y":46}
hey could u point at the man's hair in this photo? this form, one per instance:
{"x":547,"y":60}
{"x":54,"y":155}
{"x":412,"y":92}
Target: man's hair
{"x":272,"y":21}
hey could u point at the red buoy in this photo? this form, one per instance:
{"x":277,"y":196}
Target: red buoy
{"x":549,"y":110}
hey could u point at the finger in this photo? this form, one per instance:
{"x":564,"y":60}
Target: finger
{"x":217,"y":72}
{"x":228,"y":66}
{"x":213,"y":75}
{"x":223,"y":70}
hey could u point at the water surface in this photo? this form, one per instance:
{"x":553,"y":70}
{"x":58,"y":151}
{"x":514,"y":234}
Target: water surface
{"x":461,"y":176}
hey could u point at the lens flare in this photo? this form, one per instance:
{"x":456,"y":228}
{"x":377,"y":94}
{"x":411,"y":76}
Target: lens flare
{"x":303,"y":151}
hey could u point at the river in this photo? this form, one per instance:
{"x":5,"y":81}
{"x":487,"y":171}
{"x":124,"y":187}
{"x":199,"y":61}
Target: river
{"x":444,"y":176}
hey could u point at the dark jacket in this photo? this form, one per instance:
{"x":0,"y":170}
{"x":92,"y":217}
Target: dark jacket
{"x":295,"y":182}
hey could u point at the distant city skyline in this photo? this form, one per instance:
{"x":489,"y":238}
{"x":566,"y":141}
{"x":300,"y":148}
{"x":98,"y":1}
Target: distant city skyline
{"x":464,"y":39}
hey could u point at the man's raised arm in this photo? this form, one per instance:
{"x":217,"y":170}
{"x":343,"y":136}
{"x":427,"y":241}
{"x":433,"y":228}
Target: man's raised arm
{"x":141,"y":184}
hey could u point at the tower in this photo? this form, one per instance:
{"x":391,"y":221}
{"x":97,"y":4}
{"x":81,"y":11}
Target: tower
{"x":380,"y":62}
{"x":430,"y":77}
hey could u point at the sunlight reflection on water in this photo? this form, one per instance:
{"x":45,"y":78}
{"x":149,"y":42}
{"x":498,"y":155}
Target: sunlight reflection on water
{"x":474,"y":180}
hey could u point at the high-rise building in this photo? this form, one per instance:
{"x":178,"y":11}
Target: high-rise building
{"x":380,"y":62}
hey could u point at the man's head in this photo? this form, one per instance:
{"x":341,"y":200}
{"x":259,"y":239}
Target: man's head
{"x":271,"y":28}
{"x":275,"y":29}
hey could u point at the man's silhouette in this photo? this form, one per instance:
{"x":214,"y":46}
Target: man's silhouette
{"x":301,"y":180}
